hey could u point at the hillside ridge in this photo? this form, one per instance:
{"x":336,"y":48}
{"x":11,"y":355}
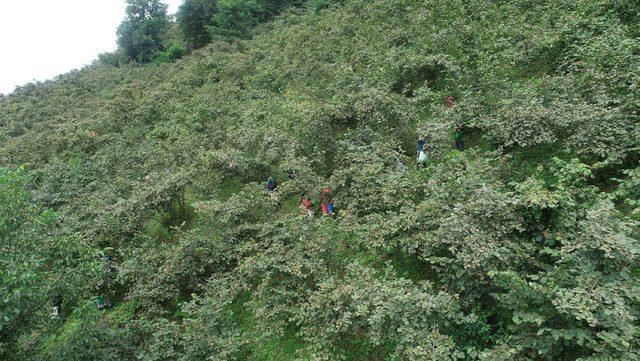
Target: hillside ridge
{"x":145,"y":186}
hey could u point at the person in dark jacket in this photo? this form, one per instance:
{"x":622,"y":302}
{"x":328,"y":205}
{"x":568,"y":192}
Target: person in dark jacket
{"x":103,"y":301}
{"x":458,"y":137}
{"x":56,"y":310}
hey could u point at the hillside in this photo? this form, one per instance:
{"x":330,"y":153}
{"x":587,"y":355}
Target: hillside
{"x":146,"y":184}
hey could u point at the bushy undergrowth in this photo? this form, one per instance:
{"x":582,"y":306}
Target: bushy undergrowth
{"x":523,"y":247}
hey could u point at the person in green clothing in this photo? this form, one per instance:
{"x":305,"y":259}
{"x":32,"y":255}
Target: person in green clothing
{"x":458,"y":133}
{"x":458,"y":137}
{"x":102,"y":300}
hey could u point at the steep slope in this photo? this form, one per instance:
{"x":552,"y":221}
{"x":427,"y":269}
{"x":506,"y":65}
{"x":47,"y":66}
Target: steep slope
{"x":524,"y":246}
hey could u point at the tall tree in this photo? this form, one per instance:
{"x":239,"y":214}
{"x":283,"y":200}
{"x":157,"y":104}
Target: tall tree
{"x":141,"y":33}
{"x":194,"y":16}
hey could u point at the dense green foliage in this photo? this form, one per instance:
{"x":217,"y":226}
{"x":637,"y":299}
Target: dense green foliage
{"x":234,"y":19}
{"x":147,"y":34}
{"x":202,"y":21}
{"x":523,"y":247}
{"x":194,"y":16}
{"x":37,"y":262}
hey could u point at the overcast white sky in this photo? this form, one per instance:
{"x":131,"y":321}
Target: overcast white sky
{"x":40,"y":39}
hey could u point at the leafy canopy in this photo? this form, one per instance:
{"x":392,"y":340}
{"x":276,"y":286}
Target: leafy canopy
{"x":141,"y":33}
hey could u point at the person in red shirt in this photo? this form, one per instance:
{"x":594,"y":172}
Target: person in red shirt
{"x":451,"y":102}
{"x":307,"y":205}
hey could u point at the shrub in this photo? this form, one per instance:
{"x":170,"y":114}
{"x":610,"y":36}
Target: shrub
{"x":173,"y":53}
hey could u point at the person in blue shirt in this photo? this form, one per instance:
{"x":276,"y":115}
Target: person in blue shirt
{"x":271,"y":186}
{"x":423,"y":154}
